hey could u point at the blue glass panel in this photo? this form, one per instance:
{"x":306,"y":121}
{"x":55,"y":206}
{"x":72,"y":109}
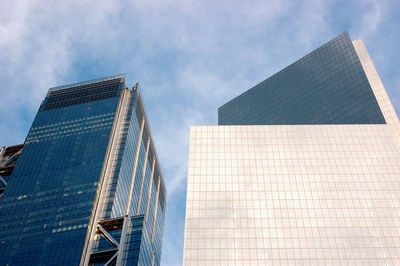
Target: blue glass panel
{"x":45,"y":210}
{"x":327,"y":86}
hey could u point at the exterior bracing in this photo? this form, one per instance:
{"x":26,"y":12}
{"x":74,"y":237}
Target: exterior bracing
{"x":8,"y":159}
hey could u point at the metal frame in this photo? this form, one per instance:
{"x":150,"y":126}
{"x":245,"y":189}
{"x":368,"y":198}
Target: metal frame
{"x":8,"y":158}
{"x":3,"y":181}
{"x":150,"y":186}
{"x":143,"y":174}
{"x":121,"y":77}
{"x":155,"y":209}
{"x":107,"y":256}
{"x":104,"y":180}
{"x":128,"y":205}
{"x":96,"y":227}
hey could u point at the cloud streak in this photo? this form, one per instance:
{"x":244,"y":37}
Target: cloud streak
{"x":189,"y":56}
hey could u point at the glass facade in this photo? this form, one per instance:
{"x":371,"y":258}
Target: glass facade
{"x":74,"y":177}
{"x":303,"y":169}
{"x":327,"y":86}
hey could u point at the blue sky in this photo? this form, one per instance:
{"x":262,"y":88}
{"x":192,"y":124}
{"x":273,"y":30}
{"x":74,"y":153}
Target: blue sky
{"x":189,"y":57}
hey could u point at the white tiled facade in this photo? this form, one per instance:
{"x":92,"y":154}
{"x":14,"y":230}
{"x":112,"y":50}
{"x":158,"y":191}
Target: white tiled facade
{"x":293,"y":195}
{"x":379,"y":91}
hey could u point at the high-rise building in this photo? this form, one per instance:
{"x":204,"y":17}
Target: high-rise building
{"x":87,"y":188}
{"x":304,"y":168}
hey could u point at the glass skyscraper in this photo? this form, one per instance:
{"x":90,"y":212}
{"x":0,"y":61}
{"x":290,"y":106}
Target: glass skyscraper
{"x":87,"y":188}
{"x":304,"y":168}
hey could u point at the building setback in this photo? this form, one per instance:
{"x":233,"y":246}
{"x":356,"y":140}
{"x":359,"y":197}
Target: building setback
{"x":303,"y":168}
{"x":87,"y":188}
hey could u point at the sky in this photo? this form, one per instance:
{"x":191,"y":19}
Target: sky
{"x":189,"y":57}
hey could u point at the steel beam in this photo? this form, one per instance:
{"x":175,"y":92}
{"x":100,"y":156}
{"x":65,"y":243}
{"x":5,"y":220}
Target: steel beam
{"x":143,"y":174}
{"x":150,"y":186}
{"x":108,"y":236}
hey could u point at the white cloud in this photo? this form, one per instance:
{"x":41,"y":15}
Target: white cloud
{"x":189,"y":56}
{"x":371,"y":18}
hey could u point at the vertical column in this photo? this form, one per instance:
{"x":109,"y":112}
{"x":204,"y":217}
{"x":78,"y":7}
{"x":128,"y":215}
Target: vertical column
{"x":105,"y":176}
{"x":126,"y":223}
{"x":2,"y":151}
{"x":150,"y":186}
{"x":143,"y":174}
{"x":128,"y":205}
{"x":155,"y":209}
{"x":379,"y":90}
{"x":152,"y":258}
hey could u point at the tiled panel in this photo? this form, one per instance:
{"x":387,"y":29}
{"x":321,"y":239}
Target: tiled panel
{"x":293,"y":195}
{"x":377,"y":87}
